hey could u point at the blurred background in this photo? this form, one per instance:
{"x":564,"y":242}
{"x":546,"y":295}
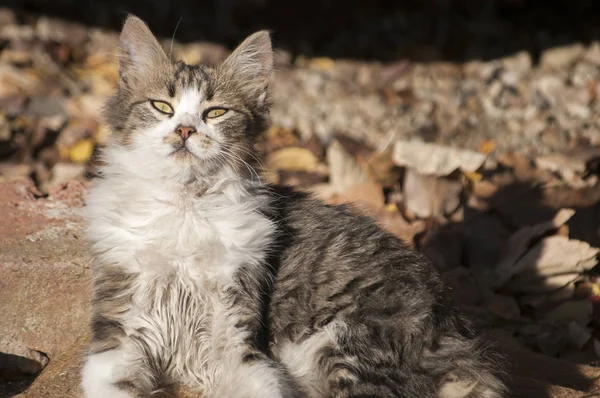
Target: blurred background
{"x":469,"y":129}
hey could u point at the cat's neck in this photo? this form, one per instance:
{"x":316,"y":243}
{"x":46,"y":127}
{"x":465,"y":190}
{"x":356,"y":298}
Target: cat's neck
{"x":154,"y":180}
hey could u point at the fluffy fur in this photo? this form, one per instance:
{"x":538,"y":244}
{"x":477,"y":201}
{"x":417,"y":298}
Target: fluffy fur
{"x":204,"y":277}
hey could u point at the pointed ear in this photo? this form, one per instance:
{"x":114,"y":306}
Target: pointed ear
{"x":252,"y":61}
{"x":139,"y":52}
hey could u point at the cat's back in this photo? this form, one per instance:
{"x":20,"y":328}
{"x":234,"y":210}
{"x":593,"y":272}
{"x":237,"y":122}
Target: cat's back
{"x":337,"y":262}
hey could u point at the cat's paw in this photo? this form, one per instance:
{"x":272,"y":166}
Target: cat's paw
{"x":100,"y":375}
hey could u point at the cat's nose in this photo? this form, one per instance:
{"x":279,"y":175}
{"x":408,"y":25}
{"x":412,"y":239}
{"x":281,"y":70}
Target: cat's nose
{"x":185,"y":131}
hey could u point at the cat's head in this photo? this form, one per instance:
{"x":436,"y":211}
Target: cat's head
{"x":184,"y":120}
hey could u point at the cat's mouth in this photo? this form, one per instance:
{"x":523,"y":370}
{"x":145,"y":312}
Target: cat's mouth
{"x":182,"y":151}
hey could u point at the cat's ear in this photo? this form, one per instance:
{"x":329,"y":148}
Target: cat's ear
{"x":139,"y":52}
{"x":252,"y":61}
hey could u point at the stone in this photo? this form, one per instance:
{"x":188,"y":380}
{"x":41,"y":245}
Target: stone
{"x":44,"y":267}
{"x":561,"y":57}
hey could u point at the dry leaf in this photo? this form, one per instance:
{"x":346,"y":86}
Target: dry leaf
{"x":367,"y":196}
{"x":578,"y":335}
{"x":431,"y":159}
{"x":540,"y":284}
{"x":278,"y":137}
{"x":578,"y":311}
{"x":521,"y":240}
{"x":344,"y":171}
{"x":488,"y":146}
{"x":505,"y":307}
{"x":557,"y":255}
{"x":82,"y":151}
{"x":382,"y":168}
{"x":427,"y":196}
{"x":292,"y":159}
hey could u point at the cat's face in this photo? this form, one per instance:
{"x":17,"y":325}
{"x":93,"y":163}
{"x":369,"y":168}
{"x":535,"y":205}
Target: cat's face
{"x":195,"y":121}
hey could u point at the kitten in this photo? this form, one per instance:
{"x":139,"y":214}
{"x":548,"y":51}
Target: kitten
{"x":205,"y":277}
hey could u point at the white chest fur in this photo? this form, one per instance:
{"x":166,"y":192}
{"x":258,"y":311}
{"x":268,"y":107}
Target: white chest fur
{"x":185,"y":250}
{"x":149,"y":228}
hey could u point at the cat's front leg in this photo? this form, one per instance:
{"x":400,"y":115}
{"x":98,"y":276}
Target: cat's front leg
{"x":257,"y":376}
{"x":102,"y":375}
{"x":248,"y":371}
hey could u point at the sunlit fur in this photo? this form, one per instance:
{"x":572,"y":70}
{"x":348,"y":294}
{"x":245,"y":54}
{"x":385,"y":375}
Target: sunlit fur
{"x":205,"y":277}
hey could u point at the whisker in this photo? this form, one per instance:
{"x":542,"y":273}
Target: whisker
{"x":173,"y":39}
{"x":250,"y":168}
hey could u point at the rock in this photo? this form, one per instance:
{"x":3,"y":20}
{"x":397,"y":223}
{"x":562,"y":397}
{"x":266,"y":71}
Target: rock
{"x":60,"y":31}
{"x":199,"y":53}
{"x":9,"y":171}
{"x":13,"y":82}
{"x":592,"y":55}
{"x":7,"y":16}
{"x":18,"y":362}
{"x":519,"y":64}
{"x":45,"y":107}
{"x":5,"y":132}
{"x":44,"y":267}
{"x":561,"y":57}
{"x":63,"y":172}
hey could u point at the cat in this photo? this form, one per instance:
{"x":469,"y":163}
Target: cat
{"x":207,"y":278}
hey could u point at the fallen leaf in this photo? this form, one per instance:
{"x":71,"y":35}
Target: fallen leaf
{"x":278,"y":137}
{"x":578,"y":335}
{"x":540,"y":284}
{"x":321,"y":63}
{"x":427,"y":196}
{"x":292,"y":159}
{"x":519,"y":242}
{"x":63,"y":172}
{"x":393,"y":222}
{"x":444,"y":246}
{"x":382,"y":168}
{"x":578,"y":311}
{"x":506,"y":307}
{"x":571,"y":165}
{"x":462,"y":287}
{"x":344,"y":170}
{"x":366,"y":195}
{"x":488,"y":146}
{"x":431,"y":159}
{"x":82,"y":151}
{"x":555,"y":257}
{"x":540,"y":302}
{"x":485,"y":237}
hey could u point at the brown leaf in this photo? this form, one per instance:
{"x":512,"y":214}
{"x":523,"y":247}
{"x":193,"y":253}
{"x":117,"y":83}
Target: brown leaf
{"x":367,"y":195}
{"x":505,"y":307}
{"x":344,"y":170}
{"x":292,"y":159}
{"x":557,"y":258}
{"x":431,"y":159}
{"x":392,"y":221}
{"x":519,"y":242}
{"x":427,"y":196}
{"x":579,"y":311}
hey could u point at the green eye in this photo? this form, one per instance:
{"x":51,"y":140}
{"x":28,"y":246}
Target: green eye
{"x":162,"y":107}
{"x":213,"y":113}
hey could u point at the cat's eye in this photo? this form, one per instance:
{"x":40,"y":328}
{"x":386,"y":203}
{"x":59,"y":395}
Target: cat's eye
{"x":162,"y":106}
{"x":216,"y":112}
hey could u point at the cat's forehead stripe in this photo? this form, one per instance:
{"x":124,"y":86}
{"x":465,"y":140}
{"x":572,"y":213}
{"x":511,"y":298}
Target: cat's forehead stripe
{"x":188,"y":75}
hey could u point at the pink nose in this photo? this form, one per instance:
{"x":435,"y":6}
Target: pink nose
{"x":185,"y":131}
